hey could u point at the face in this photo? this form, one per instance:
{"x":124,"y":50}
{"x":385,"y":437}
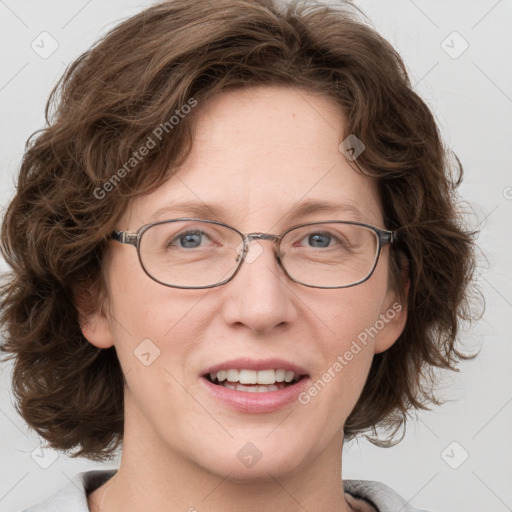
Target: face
{"x":258,"y":155}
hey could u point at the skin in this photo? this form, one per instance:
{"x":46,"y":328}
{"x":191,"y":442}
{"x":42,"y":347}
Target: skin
{"x":258,"y":152}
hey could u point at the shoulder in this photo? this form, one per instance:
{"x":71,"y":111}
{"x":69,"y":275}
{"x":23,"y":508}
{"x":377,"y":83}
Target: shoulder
{"x":382,"y":497}
{"x":73,"y":496}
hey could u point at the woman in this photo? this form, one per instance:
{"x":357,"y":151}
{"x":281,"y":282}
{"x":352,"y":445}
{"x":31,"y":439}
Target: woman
{"x":297,"y":266}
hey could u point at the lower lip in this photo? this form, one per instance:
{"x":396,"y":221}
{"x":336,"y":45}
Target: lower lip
{"x":266,"y":401}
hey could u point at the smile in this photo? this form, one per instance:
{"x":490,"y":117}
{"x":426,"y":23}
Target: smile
{"x":253,"y":381}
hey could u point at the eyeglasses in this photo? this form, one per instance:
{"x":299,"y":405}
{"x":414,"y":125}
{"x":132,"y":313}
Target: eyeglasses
{"x":196,"y":253}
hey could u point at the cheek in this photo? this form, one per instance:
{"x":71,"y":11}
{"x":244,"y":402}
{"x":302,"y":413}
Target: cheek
{"x":352,"y":317}
{"x":352,"y":314}
{"x":362,"y":306}
{"x":336,"y":387}
{"x":147,"y":319}
{"x":348,"y":360}
{"x":139,"y":305}
{"x":154,"y":339}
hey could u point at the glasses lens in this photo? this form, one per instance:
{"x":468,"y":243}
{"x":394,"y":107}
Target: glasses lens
{"x":190,"y":253}
{"x":329,"y":254}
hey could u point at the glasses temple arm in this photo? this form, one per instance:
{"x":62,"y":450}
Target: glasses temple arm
{"x":125,"y":237}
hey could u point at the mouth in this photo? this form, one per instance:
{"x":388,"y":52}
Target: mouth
{"x":254,"y":381}
{"x":255,"y":386}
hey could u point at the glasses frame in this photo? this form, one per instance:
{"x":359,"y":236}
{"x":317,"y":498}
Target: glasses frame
{"x":384,"y":237}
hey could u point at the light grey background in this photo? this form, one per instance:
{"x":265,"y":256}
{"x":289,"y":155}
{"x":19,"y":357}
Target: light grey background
{"x":471,"y":96}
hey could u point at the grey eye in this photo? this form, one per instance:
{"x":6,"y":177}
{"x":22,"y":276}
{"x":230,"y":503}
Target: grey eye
{"x":319,"y":240}
{"x":188,"y":240}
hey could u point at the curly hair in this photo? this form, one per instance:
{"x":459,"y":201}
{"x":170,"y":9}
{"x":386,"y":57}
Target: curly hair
{"x":74,"y":186}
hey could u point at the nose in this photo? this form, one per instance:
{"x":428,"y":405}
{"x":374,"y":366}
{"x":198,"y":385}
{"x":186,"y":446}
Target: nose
{"x":259,"y":296}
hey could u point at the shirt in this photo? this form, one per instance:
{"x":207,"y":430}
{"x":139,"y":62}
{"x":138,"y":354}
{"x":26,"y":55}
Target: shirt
{"x":73,"y":496}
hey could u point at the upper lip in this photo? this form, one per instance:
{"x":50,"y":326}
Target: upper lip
{"x":256,"y":364}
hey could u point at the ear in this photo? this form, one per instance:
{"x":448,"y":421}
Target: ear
{"x":96,"y":330}
{"x":394,"y":316}
{"x":92,"y":315}
{"x":393,"y":320}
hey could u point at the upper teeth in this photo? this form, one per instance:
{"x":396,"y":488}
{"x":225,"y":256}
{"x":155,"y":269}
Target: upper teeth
{"x":254,"y":376}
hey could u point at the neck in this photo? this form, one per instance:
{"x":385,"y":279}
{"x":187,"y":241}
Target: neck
{"x":153,"y":478}
{"x":181,"y":486}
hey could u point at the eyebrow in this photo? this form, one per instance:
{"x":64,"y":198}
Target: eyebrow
{"x":216,"y":211}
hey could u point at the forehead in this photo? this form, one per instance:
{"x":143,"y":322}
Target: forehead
{"x":261,"y":155}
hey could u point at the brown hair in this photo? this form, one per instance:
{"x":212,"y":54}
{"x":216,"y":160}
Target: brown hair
{"x":72,"y":191}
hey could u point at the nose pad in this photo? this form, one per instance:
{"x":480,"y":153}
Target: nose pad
{"x":241,"y":251}
{"x":250,"y":252}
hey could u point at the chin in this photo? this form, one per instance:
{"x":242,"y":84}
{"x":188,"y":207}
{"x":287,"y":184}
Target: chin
{"x":248,"y":464}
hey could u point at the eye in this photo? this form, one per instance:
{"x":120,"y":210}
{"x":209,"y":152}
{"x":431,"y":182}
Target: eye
{"x":188,"y":239}
{"x":319,"y":239}
{"x":323,"y":240}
